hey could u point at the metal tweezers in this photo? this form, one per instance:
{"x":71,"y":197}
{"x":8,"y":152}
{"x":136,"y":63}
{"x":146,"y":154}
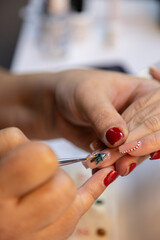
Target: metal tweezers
{"x":68,"y":161}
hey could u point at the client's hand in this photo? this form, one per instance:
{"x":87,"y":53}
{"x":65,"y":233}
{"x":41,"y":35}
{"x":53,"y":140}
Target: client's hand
{"x":143,"y":121}
{"x":38,"y":200}
{"x":79,"y":105}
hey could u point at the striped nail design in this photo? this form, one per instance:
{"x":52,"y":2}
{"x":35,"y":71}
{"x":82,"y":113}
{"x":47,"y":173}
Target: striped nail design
{"x":132,"y":149}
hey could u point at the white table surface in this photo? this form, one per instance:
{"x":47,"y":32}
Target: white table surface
{"x":137,"y":40}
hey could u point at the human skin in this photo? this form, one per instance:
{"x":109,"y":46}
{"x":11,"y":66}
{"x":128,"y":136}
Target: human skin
{"x":38,"y":200}
{"x":66,"y":104}
{"x":79,"y":105}
{"x":143,"y":121}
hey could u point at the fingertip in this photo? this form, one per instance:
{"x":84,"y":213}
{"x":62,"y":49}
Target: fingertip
{"x":154,"y":72}
{"x":115,"y":136}
{"x":152,"y":69}
{"x":125,"y":165}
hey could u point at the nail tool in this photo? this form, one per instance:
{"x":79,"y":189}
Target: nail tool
{"x":68,"y":161}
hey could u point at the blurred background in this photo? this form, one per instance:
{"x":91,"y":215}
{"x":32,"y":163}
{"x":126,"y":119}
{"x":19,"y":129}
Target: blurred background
{"x":121,"y":35}
{"x":55,"y":34}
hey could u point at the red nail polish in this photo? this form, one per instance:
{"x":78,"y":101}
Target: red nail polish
{"x":113,"y":135}
{"x":110,"y":177}
{"x":155,"y":155}
{"x":131,"y":167}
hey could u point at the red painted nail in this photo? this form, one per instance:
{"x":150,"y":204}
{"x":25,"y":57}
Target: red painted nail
{"x":113,"y":135}
{"x":155,"y":155}
{"x":130,"y":168}
{"x":110,"y":177}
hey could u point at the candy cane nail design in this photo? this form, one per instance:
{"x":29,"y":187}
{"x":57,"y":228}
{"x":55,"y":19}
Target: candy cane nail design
{"x":132,"y":149}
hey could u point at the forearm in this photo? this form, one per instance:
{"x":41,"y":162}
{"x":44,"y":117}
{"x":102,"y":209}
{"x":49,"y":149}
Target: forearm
{"x":28,"y":102}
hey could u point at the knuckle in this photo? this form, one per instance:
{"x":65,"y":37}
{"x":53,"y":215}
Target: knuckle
{"x":153,"y":123}
{"x":155,"y":140}
{"x":44,"y":153}
{"x":93,"y":195}
{"x":137,"y":120}
{"x":139,"y":104}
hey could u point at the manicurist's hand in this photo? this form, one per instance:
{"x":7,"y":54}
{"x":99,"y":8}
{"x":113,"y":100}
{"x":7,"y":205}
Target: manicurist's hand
{"x":38,"y":200}
{"x":80,"y":105}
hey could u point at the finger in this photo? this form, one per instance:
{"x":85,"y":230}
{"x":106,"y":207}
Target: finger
{"x":26,"y":168}
{"x":105,"y":120}
{"x":53,"y":198}
{"x":126,"y":164}
{"x":10,"y":138}
{"x":149,"y":126}
{"x":146,"y":113}
{"x":97,"y":144}
{"x":88,"y":193}
{"x":143,"y":146}
{"x":95,"y":186}
{"x":63,"y":227}
{"x":140,"y":104}
{"x":104,"y":158}
{"x":155,"y":73}
{"x":81,"y":136}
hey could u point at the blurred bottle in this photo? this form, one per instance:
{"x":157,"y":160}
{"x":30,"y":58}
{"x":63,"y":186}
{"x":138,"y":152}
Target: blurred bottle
{"x":54,"y":32}
{"x":77,"y":5}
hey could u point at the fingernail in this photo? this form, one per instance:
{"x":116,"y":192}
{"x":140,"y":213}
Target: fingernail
{"x":130,"y":147}
{"x":113,"y":135}
{"x":97,"y":145}
{"x":130,"y":168}
{"x":92,"y":147}
{"x":155,"y":155}
{"x":110,"y":177}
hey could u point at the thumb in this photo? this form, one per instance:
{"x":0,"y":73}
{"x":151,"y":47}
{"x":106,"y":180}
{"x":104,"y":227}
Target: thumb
{"x":106,"y":121}
{"x":95,"y":186}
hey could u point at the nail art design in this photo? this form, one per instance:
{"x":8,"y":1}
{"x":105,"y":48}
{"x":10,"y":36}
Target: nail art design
{"x":98,"y":158}
{"x":132,"y":149}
